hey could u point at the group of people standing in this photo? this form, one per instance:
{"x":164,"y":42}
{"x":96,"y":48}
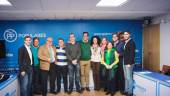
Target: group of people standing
{"x":111,"y":63}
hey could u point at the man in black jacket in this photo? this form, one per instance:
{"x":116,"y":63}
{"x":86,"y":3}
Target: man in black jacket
{"x":129,"y":61}
{"x":25,"y":61}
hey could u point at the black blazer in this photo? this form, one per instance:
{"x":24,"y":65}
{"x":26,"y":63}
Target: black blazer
{"x":24,"y":59}
{"x":129,"y":52}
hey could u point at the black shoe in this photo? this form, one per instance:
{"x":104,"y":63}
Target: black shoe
{"x":44,"y":94}
{"x":69,"y":92}
{"x":98,"y":89}
{"x":82,"y":89}
{"x":53,"y":92}
{"x":79,"y":91}
{"x":87,"y":88}
{"x":105,"y":89}
{"x":123,"y":93}
{"x":112,"y":94}
{"x":65,"y":91}
{"x":107,"y":93}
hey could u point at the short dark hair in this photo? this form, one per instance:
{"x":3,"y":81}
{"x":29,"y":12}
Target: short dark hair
{"x":71,"y":33}
{"x":27,"y":37}
{"x":126,"y":30}
{"x":35,"y":38}
{"x":115,"y":34}
{"x":86,"y":33}
{"x":120,"y":35}
{"x":108,"y":44}
{"x":60,"y":39}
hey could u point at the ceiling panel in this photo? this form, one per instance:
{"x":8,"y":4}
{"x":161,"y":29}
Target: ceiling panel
{"x":65,"y":15}
{"x":26,"y":5}
{"x":17,"y":16}
{"x":81,"y":9}
{"x":82,"y":4}
{"x":44,"y":15}
{"x":55,"y":4}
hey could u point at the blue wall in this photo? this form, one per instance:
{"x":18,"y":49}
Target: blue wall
{"x":62,"y":28}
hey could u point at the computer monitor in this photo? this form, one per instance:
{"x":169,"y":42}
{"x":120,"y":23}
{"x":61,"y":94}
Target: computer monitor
{"x":2,"y":49}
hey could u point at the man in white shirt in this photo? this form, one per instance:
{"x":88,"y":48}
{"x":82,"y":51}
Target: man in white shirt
{"x":25,"y":61}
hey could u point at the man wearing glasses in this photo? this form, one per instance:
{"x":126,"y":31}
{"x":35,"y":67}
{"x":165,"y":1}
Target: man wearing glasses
{"x":47,"y":56}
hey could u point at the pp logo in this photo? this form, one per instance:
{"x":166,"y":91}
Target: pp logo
{"x":10,"y":35}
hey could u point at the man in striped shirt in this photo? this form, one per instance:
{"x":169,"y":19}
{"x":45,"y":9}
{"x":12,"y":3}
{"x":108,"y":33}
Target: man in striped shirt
{"x":61,"y":65}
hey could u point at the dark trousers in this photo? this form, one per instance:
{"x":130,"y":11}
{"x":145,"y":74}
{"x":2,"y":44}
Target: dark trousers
{"x":36,"y":79}
{"x":62,"y":74}
{"x":44,"y":81}
{"x":74,"y":76}
{"x":26,"y":82}
{"x":96,"y":77}
{"x":120,"y":78}
{"x":111,"y":83}
{"x":52,"y":77}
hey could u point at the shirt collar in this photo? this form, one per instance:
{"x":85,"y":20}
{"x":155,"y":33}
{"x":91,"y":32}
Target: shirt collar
{"x":127,"y":40}
{"x":116,"y":42}
{"x":26,"y":46}
{"x":85,"y":41}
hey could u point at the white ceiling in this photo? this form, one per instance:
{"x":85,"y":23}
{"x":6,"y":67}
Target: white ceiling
{"x":81,"y":9}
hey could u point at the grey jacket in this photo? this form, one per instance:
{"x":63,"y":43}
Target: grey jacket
{"x":73,"y":52}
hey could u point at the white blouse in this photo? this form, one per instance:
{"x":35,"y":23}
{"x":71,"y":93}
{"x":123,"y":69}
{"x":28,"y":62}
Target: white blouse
{"x":96,"y":54}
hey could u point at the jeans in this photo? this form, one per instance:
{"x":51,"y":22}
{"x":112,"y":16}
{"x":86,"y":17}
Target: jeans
{"x":74,"y":71}
{"x":128,"y":72}
{"x":103,"y":81}
{"x":26,"y":83}
{"x":61,"y":72}
{"x":111,"y":84}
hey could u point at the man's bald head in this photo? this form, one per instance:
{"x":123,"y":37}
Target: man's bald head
{"x":49,"y":41}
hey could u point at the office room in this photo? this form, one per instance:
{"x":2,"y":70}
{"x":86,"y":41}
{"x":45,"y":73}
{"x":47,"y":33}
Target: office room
{"x":84,"y":48}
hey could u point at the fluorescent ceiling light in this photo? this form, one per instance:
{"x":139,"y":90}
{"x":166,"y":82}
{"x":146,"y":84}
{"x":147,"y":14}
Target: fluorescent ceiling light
{"x":110,"y":3}
{"x":5,"y":3}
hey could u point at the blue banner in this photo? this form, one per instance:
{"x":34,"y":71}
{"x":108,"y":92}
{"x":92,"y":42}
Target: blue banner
{"x":14,"y":31}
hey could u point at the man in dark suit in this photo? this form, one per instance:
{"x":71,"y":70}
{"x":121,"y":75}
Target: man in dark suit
{"x":25,"y":61}
{"x":129,"y":61}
